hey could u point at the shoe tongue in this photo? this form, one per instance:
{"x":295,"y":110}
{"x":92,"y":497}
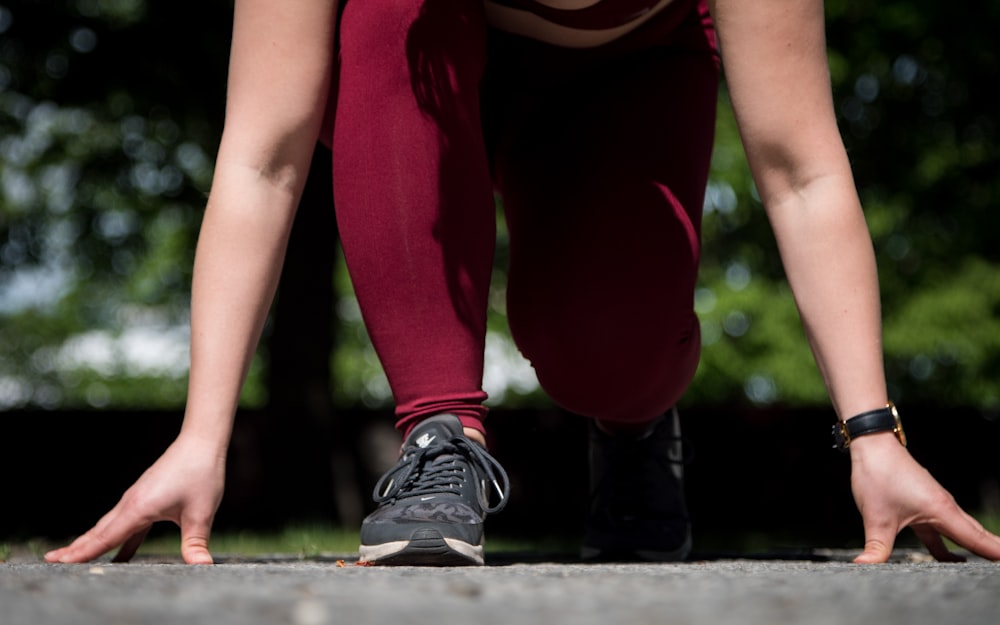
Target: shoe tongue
{"x":434,"y":430}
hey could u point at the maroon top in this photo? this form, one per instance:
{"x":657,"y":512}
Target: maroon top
{"x":604,"y":14}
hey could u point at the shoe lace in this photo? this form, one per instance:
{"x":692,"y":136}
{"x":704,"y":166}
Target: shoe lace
{"x":441,"y":468}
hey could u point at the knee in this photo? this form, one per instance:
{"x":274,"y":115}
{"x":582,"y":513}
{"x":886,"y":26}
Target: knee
{"x":621,"y":372}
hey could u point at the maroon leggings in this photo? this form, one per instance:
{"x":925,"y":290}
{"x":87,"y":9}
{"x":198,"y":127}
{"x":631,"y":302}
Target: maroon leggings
{"x":601,"y":158}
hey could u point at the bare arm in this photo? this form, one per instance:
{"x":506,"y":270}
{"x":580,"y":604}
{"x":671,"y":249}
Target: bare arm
{"x":774,"y":54}
{"x":278,"y":82}
{"x":280,"y":69}
{"x":775,"y":59}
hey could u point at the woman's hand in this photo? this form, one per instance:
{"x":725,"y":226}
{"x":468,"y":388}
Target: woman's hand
{"x":184,"y":486}
{"x":279,"y":77}
{"x":892,"y":491}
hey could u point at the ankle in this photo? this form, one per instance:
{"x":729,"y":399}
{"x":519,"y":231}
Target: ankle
{"x":475,"y":435}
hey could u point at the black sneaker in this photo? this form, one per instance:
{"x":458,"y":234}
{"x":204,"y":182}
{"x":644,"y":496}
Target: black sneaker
{"x":637,"y":509}
{"x":432,"y":504}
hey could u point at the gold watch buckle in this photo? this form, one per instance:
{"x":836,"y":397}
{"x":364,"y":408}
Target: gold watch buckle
{"x":845,"y":436}
{"x":898,"y":430}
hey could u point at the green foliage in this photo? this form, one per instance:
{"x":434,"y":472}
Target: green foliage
{"x":104,"y":166}
{"x":753,"y":347}
{"x":946,"y":331}
{"x":919,"y":114}
{"x":912,"y":88}
{"x":110,"y":111}
{"x":303,"y":540}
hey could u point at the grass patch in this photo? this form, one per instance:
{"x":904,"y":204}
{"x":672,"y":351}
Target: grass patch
{"x":313,"y":540}
{"x":989,"y":520}
{"x":27,"y":549}
{"x":302,"y":540}
{"x":317,"y":540}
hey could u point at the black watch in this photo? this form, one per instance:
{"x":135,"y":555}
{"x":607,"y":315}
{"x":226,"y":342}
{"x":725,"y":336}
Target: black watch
{"x":881,"y":420}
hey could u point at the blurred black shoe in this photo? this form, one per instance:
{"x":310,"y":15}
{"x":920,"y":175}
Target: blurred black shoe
{"x":637,"y":507}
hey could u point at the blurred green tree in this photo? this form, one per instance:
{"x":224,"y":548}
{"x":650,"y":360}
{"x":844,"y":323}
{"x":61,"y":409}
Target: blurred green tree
{"x":912,"y":83}
{"x":109,"y":116}
{"x":110,"y":113}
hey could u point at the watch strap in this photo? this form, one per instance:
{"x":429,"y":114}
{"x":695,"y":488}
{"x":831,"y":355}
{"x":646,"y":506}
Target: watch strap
{"x":879,"y":420}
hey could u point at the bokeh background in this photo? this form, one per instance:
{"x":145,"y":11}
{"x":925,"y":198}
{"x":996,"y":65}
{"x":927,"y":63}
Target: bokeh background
{"x":110,"y":115}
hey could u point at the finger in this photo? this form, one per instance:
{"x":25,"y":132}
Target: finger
{"x":194,"y":541}
{"x":969,"y":534}
{"x":130,"y":546}
{"x":878,"y":545}
{"x":54,"y":554}
{"x":112,"y":530}
{"x":935,"y":544}
{"x":84,"y":549}
{"x":65,"y":554}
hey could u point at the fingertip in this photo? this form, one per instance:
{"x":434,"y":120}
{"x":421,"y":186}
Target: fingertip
{"x":63,"y":555}
{"x":871,"y":557}
{"x":194,"y":543}
{"x":198,"y":556}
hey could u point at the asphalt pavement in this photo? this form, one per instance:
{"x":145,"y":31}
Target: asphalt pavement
{"x":816,"y":587}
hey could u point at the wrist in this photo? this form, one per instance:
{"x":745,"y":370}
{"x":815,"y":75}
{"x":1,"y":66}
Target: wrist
{"x":207,"y":442}
{"x":874,"y":443}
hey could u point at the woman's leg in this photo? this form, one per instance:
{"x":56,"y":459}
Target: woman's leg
{"x":602,"y":158}
{"x":416,"y":215}
{"x":414,"y":197}
{"x":603,"y":172}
